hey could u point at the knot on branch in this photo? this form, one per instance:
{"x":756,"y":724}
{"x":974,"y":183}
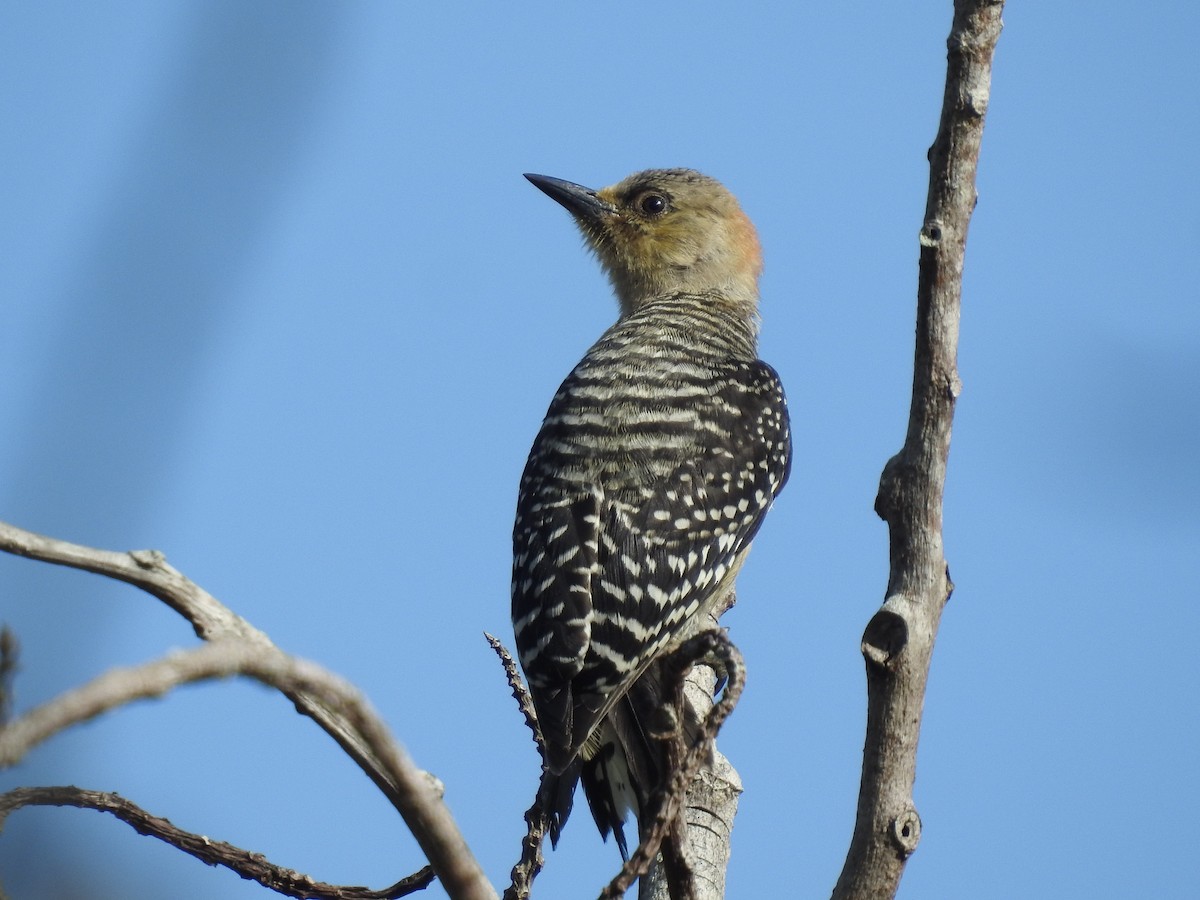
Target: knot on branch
{"x":906,"y":832}
{"x":973,"y":101}
{"x":148,"y":559}
{"x":888,"y":499}
{"x":931,"y":232}
{"x":885,"y":638}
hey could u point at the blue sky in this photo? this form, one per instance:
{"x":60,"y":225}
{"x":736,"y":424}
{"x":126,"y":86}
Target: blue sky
{"x":278,"y":303}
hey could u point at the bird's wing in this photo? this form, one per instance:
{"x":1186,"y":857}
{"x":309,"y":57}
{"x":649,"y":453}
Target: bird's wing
{"x":601,"y":585}
{"x":554,"y":565}
{"x":661,"y":563}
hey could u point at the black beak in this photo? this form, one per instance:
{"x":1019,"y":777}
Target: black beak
{"x":579,"y":201}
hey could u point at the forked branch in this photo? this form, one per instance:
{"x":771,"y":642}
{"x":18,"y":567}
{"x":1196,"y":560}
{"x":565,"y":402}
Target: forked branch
{"x":237,"y":648}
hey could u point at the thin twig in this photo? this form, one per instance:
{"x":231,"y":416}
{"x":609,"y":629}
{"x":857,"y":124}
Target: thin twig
{"x":117,"y":687}
{"x":144,"y":569}
{"x":248,"y":865}
{"x":537,"y":817}
{"x":519,"y":691}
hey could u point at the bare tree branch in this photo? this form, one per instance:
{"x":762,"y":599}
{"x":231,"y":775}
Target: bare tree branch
{"x":145,"y":569}
{"x":251,"y":866}
{"x":898,"y":641}
{"x":712,"y":796}
{"x":238,"y":648}
{"x":115,"y":688}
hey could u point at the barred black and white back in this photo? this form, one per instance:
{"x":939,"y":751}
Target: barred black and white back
{"x":658,"y":458}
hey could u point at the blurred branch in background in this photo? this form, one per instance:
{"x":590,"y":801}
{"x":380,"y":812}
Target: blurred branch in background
{"x":9,"y":655}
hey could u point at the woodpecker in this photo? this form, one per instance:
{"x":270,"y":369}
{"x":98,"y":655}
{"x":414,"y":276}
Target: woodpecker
{"x":658,"y":458}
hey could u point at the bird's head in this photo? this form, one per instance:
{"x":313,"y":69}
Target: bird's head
{"x":664,"y":231}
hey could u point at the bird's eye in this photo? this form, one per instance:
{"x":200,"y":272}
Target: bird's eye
{"x":653,"y":204}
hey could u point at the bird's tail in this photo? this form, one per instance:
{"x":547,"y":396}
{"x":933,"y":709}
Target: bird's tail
{"x":608,"y":786}
{"x":611,"y":780}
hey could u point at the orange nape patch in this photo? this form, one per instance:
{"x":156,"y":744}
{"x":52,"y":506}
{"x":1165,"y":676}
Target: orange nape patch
{"x":745,"y":242}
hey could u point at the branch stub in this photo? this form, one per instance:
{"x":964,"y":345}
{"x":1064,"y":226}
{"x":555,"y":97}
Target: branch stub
{"x":885,"y":638}
{"x":906,"y":832}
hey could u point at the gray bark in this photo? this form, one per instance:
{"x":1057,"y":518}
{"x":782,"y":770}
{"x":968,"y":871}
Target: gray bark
{"x":898,"y":641}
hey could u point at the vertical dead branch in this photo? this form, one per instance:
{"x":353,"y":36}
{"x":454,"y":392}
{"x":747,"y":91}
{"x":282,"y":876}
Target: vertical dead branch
{"x":898,"y":641}
{"x":712,"y":796}
{"x":691,"y":766}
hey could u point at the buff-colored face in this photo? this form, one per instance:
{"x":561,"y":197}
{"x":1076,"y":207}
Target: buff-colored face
{"x":666,"y":231}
